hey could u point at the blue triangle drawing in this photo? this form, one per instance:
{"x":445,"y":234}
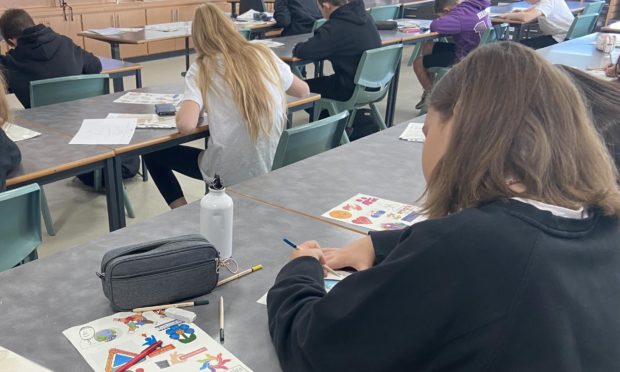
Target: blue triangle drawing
{"x":120,"y":359}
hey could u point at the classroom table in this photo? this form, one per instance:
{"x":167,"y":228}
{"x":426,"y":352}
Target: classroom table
{"x":613,"y":27}
{"x":498,"y":10}
{"x":48,"y":158}
{"x":580,"y":53}
{"x":118,"y":69}
{"x":150,"y":33}
{"x":380,"y":165}
{"x":388,"y":37}
{"x":42,"y":298}
{"x":67,"y":117}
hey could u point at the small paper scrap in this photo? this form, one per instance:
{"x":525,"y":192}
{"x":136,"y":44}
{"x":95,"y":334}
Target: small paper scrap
{"x":17,"y":133}
{"x":413,"y":133}
{"x":268,"y":43}
{"x":147,"y":121}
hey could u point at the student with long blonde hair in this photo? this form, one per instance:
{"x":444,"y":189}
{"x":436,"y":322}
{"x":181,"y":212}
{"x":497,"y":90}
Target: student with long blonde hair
{"x":516,"y":268}
{"x":10,"y":156}
{"x":242,"y":87}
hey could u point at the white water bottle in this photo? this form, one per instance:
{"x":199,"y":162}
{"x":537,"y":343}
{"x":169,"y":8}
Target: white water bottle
{"x":216,"y":218}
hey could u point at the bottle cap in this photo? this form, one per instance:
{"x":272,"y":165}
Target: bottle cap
{"x":216,"y":183}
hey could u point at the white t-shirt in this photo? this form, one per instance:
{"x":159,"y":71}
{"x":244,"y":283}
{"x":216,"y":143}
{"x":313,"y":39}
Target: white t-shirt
{"x":556,"y":18}
{"x":230,"y":151}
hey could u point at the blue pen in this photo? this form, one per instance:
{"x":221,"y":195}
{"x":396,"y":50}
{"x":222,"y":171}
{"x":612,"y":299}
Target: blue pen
{"x":289,"y":243}
{"x":327,"y":268}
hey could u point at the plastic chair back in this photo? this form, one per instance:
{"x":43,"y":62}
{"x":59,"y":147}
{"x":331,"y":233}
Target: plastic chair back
{"x":247,"y":34}
{"x":245,"y":5}
{"x":20,"y":228}
{"x":594,"y":7}
{"x":385,"y":12}
{"x":318,"y":23}
{"x":311,"y":139}
{"x":68,"y":88}
{"x":494,"y":33}
{"x":374,"y":73}
{"x":582,"y":25}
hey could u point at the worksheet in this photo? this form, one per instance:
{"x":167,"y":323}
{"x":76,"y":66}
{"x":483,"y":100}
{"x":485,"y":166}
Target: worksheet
{"x":10,"y":361}
{"x":140,"y":98}
{"x":108,"y":343}
{"x":105,"y":132}
{"x":147,"y":121}
{"x":413,"y":133}
{"x":375,"y":213}
{"x":268,"y":43}
{"x":329,"y":282}
{"x":17,"y":133}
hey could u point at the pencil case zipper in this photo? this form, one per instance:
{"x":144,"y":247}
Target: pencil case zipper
{"x":161,"y":271}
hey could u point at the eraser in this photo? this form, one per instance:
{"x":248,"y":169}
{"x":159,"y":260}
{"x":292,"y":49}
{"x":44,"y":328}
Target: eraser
{"x":180,"y":314}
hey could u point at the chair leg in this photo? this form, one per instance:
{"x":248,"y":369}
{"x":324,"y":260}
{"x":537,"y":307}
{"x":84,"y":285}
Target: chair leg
{"x":47,"y":216}
{"x":416,"y":53}
{"x":378,"y":117}
{"x":145,"y":172}
{"x":128,"y":206}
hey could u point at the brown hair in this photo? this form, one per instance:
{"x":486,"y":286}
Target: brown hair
{"x":602,"y":98}
{"x":13,"y":23}
{"x":536,"y":131}
{"x":249,"y":69}
{"x":440,"y":5}
{"x":334,"y":2}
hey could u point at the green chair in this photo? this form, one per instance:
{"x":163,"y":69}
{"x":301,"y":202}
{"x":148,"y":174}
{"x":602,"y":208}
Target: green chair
{"x":582,"y":25}
{"x":439,"y":72}
{"x":318,"y":23}
{"x":20,"y":228}
{"x":385,"y":12}
{"x":494,"y":33}
{"x":594,"y":7}
{"x":311,"y":139}
{"x":64,"y":89}
{"x":247,"y":34}
{"x":373,"y":78}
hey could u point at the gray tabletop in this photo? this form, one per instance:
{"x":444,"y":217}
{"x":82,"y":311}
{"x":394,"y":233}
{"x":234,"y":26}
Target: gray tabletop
{"x":380,"y":165}
{"x":41,"y":299}
{"x":507,"y":7}
{"x":580,"y":53}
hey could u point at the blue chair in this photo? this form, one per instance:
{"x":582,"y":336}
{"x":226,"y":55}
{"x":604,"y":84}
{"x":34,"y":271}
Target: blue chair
{"x":311,"y":139}
{"x":494,"y":33}
{"x":373,"y":78}
{"x":582,"y":25}
{"x":594,"y":7}
{"x":385,"y":12}
{"x":20,"y":227}
{"x":246,"y":33}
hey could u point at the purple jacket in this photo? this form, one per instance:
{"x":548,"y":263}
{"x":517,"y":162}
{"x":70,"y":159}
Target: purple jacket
{"x":466,"y":23}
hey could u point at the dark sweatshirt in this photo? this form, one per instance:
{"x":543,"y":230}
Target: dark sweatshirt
{"x":10,"y":157}
{"x":504,"y":287}
{"x":296,"y":16}
{"x":342,"y":39}
{"x":42,"y":54}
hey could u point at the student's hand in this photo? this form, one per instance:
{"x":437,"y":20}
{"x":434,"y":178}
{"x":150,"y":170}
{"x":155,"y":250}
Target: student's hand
{"x":610,"y":70}
{"x":359,"y":254}
{"x":311,"y":249}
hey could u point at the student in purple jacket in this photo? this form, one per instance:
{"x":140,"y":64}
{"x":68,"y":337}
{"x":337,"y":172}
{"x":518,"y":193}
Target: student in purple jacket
{"x":465,"y":21}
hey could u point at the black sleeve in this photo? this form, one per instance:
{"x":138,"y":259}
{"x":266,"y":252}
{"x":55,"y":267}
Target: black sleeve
{"x":384,"y":242}
{"x":281,"y":13}
{"x":92,"y":64}
{"x":10,"y":157}
{"x":318,"y":47}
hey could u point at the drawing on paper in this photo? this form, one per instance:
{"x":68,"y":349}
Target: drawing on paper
{"x":213,"y":363}
{"x":134,"y":321}
{"x":182,"y":333}
{"x":116,"y":358}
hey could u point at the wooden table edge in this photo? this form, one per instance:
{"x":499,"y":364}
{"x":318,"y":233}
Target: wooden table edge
{"x":302,"y":101}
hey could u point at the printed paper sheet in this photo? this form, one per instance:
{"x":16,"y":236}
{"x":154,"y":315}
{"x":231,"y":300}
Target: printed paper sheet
{"x":17,"y":133}
{"x":147,"y":121}
{"x":413,"y":133}
{"x":329,"y":281}
{"x":375,"y":214}
{"x":108,"y":343}
{"x":139,"y":98}
{"x":105,"y":132}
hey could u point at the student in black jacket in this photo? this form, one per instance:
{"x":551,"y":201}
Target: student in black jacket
{"x":296,"y":16}
{"x":348,"y":32}
{"x":516,"y":268}
{"x":39,"y":53}
{"x":10,"y":156}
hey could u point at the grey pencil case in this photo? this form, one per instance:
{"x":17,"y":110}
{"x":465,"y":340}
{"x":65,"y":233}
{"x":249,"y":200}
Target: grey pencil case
{"x":159,"y":272}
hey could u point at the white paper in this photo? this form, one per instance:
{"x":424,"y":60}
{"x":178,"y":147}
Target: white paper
{"x":169,"y":27}
{"x":17,"y":133}
{"x":330,"y":281}
{"x":139,"y":98}
{"x":248,"y":16}
{"x":105,"y":132}
{"x":413,"y":133}
{"x":107,"y":343}
{"x":113,"y":30}
{"x":268,"y":43}
{"x":10,"y":362}
{"x":375,"y":214}
{"x":148,"y":121}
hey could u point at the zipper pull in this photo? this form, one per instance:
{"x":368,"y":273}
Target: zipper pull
{"x":100,"y":275}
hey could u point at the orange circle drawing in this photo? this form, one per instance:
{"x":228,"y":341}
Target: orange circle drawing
{"x":340,"y":214}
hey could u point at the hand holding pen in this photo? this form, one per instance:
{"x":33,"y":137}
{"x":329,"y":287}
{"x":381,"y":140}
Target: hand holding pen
{"x":310,"y":248}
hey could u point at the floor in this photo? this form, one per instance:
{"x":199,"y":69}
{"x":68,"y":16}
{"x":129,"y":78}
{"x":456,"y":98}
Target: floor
{"x":80,"y":214}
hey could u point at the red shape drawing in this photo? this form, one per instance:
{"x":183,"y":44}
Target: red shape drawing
{"x":362,"y":220}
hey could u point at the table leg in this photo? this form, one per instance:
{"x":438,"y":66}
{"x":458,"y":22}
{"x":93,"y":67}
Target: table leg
{"x":289,"y":120}
{"x":517,"y":34}
{"x":111,"y":194}
{"x":138,"y":78}
{"x":116,"y":54}
{"x":311,"y":113}
{"x":186,"y":54}
{"x":233,"y":9}
{"x":116,"y":51}
{"x":118,"y":84}
{"x":391,"y":99}
{"x":118,"y":186}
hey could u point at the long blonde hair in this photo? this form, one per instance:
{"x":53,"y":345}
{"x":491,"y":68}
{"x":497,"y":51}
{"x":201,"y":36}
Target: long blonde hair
{"x":515,"y":116}
{"x":249,"y":69}
{"x":5,"y":112}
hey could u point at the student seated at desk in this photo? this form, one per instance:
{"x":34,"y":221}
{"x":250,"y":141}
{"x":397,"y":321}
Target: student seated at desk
{"x":39,"y":53}
{"x":516,"y":268}
{"x":296,"y":16}
{"x":554,"y":20}
{"x":465,"y":21}
{"x":10,"y":156}
{"x":241,"y":86}
{"x":348,"y":32}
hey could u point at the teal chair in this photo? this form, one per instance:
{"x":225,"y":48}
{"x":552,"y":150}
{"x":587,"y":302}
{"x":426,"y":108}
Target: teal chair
{"x":385,"y":12}
{"x":20,"y":226}
{"x":70,"y":88}
{"x":439,"y":72}
{"x":582,"y":25}
{"x":594,"y":7}
{"x":318,"y":23}
{"x":247,"y":34}
{"x":494,"y":33}
{"x":373,"y":78}
{"x":311,"y":139}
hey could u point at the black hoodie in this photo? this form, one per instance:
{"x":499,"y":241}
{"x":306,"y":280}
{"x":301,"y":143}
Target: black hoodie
{"x":342,"y":39}
{"x":41,"y":53}
{"x":10,"y":157}
{"x":296,"y":16}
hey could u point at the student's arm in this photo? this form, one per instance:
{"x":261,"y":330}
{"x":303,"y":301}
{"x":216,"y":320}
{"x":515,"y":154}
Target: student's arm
{"x":292,"y":85}
{"x":92,"y":64}
{"x":318,"y":47}
{"x":447,"y":25}
{"x":10,"y":157}
{"x":298,"y":88}
{"x":187,"y":117}
{"x":281,"y":13}
{"x":525,"y":16}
